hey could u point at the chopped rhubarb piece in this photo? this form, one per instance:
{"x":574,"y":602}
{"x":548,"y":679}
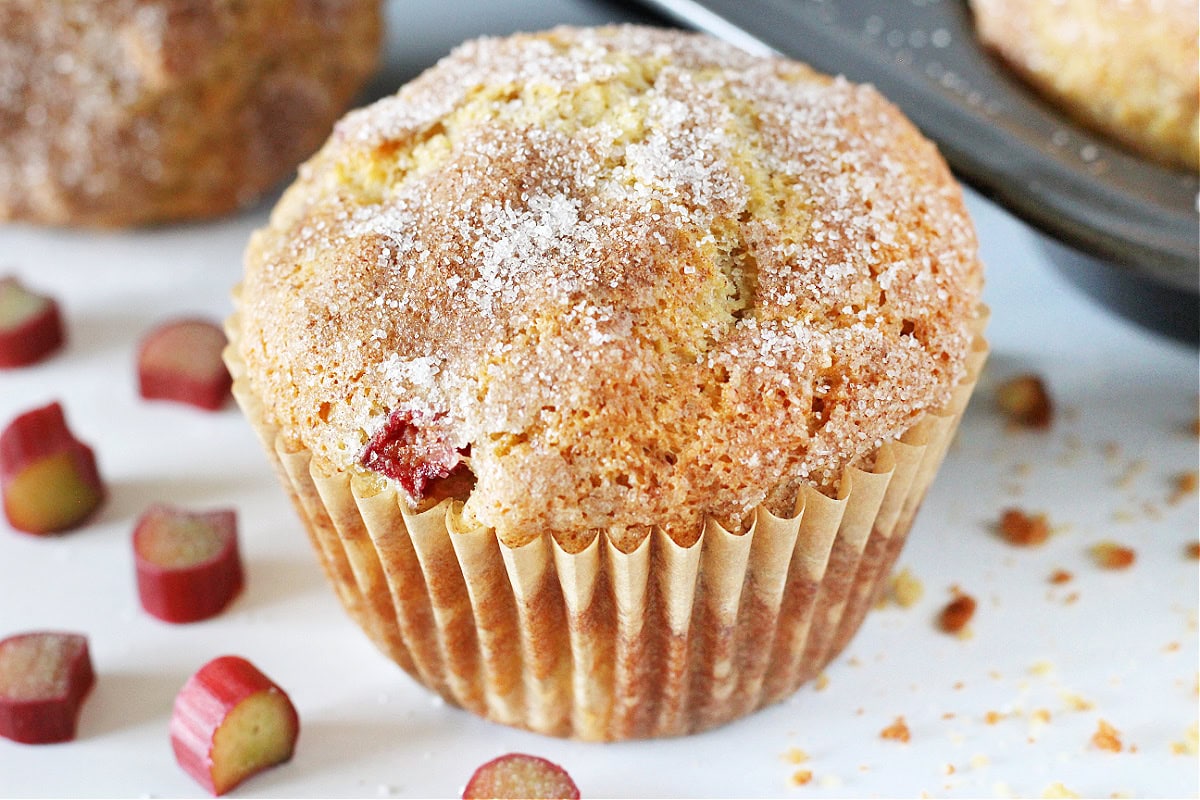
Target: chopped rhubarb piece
{"x":44,"y":678}
{"x":48,"y":477}
{"x":188,"y":567}
{"x":231,"y":722}
{"x":415,"y":450}
{"x":181,"y":361}
{"x":518,"y":775}
{"x":30,"y":325}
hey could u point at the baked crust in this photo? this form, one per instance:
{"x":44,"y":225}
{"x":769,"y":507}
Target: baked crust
{"x":1126,"y":67}
{"x":124,"y":112}
{"x":639,"y":276}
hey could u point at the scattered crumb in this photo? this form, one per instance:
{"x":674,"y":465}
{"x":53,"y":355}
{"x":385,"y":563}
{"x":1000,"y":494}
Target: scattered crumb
{"x":992,"y":717}
{"x":995,"y":675}
{"x":1132,"y":470}
{"x":1183,"y":485}
{"x":1075,"y":702}
{"x":1024,"y":401}
{"x":1171,"y":647}
{"x":1041,"y":715}
{"x":1057,"y":790}
{"x":1110,"y":555}
{"x":794,"y":755}
{"x":1017,"y":527}
{"x":1195,"y":427}
{"x":1190,"y":745}
{"x":948,"y":769}
{"x":1042,"y":668}
{"x":948,"y":715}
{"x":957,"y":614}
{"x":904,"y":589}
{"x":979,"y":761}
{"x":1107,"y":738}
{"x":898,"y":731}
{"x":959,"y":685}
{"x":1071,"y":599}
{"x":1060,"y":576}
{"x":821,"y":682}
{"x":1193,"y":550}
{"x":802,"y":777}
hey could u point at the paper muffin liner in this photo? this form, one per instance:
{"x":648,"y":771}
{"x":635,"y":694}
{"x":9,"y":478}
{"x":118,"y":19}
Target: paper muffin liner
{"x":602,"y":644}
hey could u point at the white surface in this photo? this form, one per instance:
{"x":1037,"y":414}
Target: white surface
{"x":1128,"y":644}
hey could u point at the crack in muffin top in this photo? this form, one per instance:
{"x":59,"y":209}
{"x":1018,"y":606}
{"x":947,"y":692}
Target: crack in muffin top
{"x":636,"y":276}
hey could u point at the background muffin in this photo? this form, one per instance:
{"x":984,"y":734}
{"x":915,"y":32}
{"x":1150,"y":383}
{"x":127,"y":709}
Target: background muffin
{"x":592,"y":284}
{"x":1127,"y":67}
{"x":121,"y":112}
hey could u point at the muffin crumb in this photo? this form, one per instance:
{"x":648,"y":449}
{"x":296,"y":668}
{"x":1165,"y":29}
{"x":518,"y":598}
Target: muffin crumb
{"x":904,"y":589}
{"x":1183,"y":485}
{"x":1022,"y":529}
{"x":1107,"y":738}
{"x":1058,"y":790}
{"x":957,"y":613}
{"x":794,"y":755}
{"x":1110,"y":555}
{"x":1060,"y":576}
{"x":897,"y":731}
{"x":1193,"y":549}
{"x":1024,"y":401}
{"x":802,"y":777}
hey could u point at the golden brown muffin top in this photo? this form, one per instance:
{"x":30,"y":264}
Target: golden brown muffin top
{"x":629,"y":277}
{"x":1129,"y":68}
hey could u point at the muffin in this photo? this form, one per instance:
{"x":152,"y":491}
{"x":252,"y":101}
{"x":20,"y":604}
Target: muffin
{"x":124,"y":112}
{"x":607,"y":368}
{"x":1125,"y":67}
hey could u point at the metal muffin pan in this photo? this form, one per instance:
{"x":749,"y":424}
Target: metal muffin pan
{"x":1122,"y":228}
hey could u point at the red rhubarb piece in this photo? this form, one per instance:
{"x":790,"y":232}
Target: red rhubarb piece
{"x":48,"y":477}
{"x":30,"y":325}
{"x":415,"y":450}
{"x":180,"y":360}
{"x":231,"y":722}
{"x":518,"y":775}
{"x":188,"y":567}
{"x":44,"y":678}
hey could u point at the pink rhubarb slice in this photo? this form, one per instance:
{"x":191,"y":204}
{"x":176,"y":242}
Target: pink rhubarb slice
{"x":44,"y":678}
{"x":180,"y":360}
{"x":231,"y":722}
{"x":30,"y":325}
{"x":48,"y":478}
{"x":518,"y":775}
{"x":188,"y":565}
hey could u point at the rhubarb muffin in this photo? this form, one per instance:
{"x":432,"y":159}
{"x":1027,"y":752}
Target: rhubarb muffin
{"x":1126,"y":67}
{"x":124,"y":112}
{"x":607,"y":368}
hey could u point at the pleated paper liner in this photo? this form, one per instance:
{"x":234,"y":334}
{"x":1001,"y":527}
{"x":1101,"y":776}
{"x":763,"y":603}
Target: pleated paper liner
{"x":606,"y":645}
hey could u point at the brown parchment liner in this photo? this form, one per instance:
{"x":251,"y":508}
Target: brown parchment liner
{"x":601,"y":644}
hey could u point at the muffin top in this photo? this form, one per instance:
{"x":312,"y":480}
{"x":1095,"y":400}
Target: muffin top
{"x":609,"y":279}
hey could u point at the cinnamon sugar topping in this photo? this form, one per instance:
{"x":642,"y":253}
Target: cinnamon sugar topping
{"x":646,"y":276}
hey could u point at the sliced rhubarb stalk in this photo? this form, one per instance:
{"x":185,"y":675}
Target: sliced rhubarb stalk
{"x":48,"y":477}
{"x":44,"y":678}
{"x":181,"y":361}
{"x":231,"y":722}
{"x":188,"y":567}
{"x":518,"y":775}
{"x":30,"y":325}
{"x":415,"y":450}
